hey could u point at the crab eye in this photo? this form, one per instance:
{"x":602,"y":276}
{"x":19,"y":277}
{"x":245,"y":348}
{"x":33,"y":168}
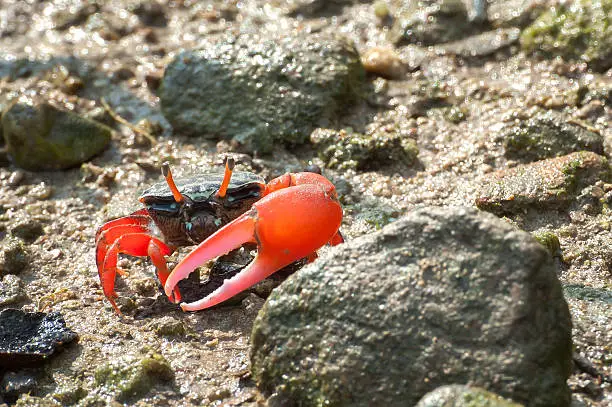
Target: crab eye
{"x":189,"y":226}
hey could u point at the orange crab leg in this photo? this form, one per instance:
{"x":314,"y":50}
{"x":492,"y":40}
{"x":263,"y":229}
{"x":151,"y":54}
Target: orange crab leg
{"x":136,"y":244}
{"x":140,"y":217}
{"x":287,"y":225}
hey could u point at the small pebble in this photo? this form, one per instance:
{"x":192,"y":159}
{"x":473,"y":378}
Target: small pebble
{"x":16,"y":178}
{"x":384,"y":62}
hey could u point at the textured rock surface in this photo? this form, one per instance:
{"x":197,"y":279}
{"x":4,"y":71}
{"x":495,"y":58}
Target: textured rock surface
{"x":442,"y":296}
{"x":463,"y":396}
{"x":546,"y":184}
{"x":41,"y":137}
{"x":548,"y":135}
{"x":261,"y":92}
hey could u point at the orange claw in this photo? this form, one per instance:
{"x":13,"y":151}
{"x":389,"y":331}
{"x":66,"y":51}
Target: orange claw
{"x":299,"y":214}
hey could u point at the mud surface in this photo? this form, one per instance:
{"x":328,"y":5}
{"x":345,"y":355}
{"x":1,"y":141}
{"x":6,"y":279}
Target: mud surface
{"x":452,"y":103}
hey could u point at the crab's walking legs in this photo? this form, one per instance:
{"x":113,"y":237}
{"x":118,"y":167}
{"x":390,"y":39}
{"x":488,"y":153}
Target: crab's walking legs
{"x":130,"y":236}
{"x":287,"y":225}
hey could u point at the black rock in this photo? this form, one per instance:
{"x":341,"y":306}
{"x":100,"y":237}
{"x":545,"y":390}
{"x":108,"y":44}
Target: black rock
{"x":29,"y":338}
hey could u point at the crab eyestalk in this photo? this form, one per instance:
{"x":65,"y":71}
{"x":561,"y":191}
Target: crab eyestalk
{"x":227,"y":176}
{"x":178,"y":197}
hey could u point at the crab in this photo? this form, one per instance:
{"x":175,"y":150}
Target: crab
{"x":288,"y":219}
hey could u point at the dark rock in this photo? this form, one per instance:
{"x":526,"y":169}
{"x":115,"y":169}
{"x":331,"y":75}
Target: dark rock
{"x":314,"y":8}
{"x":14,"y":384}
{"x":431,"y":22}
{"x":444,"y":295}
{"x":381,"y":148}
{"x":547,"y":135}
{"x":261,"y":93}
{"x":547,"y":184}
{"x":580,"y":30}
{"x":463,"y":396}
{"x":151,"y":13}
{"x":31,"y":338}
{"x":11,"y":290}
{"x":29,"y":230}
{"x":13,"y":257}
{"x":41,"y":137}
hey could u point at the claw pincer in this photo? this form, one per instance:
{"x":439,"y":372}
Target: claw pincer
{"x":298,"y":214}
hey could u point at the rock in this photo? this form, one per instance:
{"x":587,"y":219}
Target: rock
{"x":29,"y":230}
{"x":546,"y":184}
{"x":381,"y":148}
{"x":261,"y":93}
{"x":580,"y":30}
{"x":15,"y":383}
{"x":11,"y":290}
{"x":131,"y":376}
{"x":463,"y":396}
{"x":384,"y":62}
{"x":547,"y":135}
{"x":443,"y":295}
{"x":483,"y":44}
{"x":431,"y":22}
{"x":41,"y":137}
{"x":13,"y":256}
{"x":31,"y":338}
{"x":312,"y":8}
{"x":514,"y":13}
{"x":168,"y":326}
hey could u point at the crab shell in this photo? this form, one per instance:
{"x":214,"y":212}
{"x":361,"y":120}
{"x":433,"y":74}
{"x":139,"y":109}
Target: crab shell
{"x":203,"y":212}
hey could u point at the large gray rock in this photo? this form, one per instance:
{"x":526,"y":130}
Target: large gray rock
{"x":261,"y":92}
{"x":442,"y":296}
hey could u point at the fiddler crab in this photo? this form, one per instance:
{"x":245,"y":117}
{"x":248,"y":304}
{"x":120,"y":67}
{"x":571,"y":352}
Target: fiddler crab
{"x":289,"y":219}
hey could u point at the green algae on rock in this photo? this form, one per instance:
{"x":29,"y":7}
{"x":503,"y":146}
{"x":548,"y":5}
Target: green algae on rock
{"x":41,"y":137}
{"x":261,"y":92}
{"x":548,"y":184}
{"x":133,"y":376}
{"x":343,"y":150}
{"x":579,"y":30}
{"x":550,"y":241}
{"x":456,"y":395}
{"x":547,"y":135}
{"x":443,"y":295}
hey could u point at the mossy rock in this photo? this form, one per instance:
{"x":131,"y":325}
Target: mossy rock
{"x":131,"y":377}
{"x":41,"y":137}
{"x":344,"y":150}
{"x":547,"y":135}
{"x":260,"y":93}
{"x":579,"y":30}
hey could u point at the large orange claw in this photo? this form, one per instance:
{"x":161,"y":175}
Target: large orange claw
{"x":299,"y":214}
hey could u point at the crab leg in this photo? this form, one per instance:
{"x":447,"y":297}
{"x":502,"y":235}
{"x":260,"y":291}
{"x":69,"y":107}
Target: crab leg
{"x":287,"y":225}
{"x":137,"y":244}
